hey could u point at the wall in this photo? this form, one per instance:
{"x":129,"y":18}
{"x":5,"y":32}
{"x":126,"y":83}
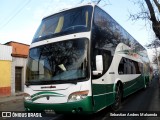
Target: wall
{"x":5,"y":52}
{"x":5,"y":70}
{"x":5,"y":78}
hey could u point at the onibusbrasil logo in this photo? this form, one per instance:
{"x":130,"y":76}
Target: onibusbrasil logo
{"x":20,"y":114}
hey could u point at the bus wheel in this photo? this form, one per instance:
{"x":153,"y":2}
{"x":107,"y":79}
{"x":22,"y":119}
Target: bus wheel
{"x":146,"y":84}
{"x":118,"y":97}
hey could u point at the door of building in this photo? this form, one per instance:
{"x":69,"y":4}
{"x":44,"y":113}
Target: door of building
{"x":18,"y":79}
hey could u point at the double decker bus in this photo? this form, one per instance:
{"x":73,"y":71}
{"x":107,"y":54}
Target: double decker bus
{"x":82,"y":61}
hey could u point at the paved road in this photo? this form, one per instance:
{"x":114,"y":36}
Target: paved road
{"x":147,"y":100}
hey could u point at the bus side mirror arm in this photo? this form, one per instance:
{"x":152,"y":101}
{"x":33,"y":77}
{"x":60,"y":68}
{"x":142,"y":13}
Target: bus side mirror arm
{"x":99,"y":65}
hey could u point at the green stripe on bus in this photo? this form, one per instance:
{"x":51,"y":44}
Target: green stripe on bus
{"x":47,"y":93}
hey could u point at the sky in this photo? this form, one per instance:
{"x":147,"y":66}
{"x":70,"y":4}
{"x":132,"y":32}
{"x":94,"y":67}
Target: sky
{"x":19,"y":19}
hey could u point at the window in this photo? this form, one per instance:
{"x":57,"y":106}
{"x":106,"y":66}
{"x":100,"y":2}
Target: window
{"x":64,"y":23}
{"x":58,"y":62}
{"x":128,"y":66}
{"x":102,"y":44}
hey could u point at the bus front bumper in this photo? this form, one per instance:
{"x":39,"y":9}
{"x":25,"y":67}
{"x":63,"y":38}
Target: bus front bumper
{"x":84,"y":106}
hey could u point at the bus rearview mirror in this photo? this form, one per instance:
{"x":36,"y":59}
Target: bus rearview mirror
{"x":99,"y":65}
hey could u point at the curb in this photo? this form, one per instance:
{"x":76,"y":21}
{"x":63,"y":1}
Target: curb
{"x":11,"y":98}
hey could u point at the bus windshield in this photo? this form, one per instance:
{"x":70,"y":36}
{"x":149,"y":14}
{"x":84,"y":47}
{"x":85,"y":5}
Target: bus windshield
{"x":60,"y":61}
{"x":63,"y":23}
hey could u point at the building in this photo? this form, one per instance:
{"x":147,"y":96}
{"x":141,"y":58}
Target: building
{"x":19,"y":58}
{"x":5,"y":70}
{"x":19,"y":53}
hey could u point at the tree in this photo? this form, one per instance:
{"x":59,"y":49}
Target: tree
{"x":155,"y":59}
{"x":153,"y":18}
{"x":155,"y":44}
{"x":150,"y":10}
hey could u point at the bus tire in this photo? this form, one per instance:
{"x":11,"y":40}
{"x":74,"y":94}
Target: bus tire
{"x":118,"y":98}
{"x":146,"y":83}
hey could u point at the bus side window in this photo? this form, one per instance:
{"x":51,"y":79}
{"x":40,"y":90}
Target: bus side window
{"x":121,"y":67}
{"x":128,"y":66}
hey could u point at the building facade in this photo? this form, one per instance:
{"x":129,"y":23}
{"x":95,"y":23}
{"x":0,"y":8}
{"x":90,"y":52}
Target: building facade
{"x":19,"y":59}
{"x":5,"y":70}
{"x":13,"y":60}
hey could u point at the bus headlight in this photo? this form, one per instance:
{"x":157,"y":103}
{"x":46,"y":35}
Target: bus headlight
{"x":27,"y":97}
{"x":76,"y":96}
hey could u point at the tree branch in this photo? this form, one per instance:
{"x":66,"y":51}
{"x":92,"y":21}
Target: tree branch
{"x":98,"y":2}
{"x":155,"y":22}
{"x":157,"y":4}
{"x":151,"y":10}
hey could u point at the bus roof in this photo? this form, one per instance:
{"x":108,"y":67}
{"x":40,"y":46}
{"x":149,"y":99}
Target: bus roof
{"x":91,"y":4}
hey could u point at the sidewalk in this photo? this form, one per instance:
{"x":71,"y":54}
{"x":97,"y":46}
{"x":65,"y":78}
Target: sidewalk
{"x":12,"y":97}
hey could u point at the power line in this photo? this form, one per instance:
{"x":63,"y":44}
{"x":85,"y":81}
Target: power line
{"x":11,"y":18}
{"x":11,"y":13}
